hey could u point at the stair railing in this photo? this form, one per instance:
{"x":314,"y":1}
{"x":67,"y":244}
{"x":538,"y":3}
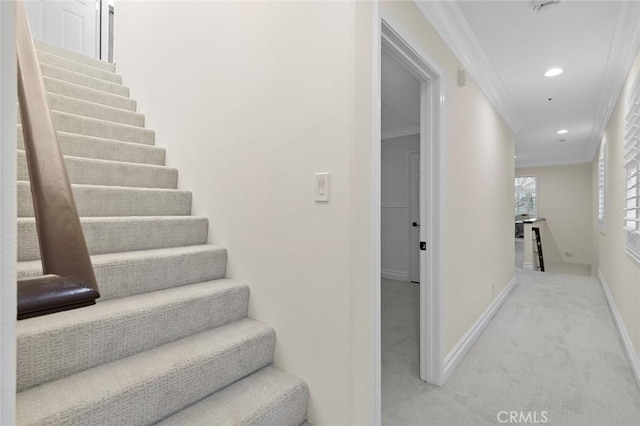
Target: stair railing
{"x":68,"y":281}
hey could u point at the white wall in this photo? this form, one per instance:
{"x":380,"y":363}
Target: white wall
{"x":395,"y":217}
{"x":565,"y":200}
{"x":251,"y":99}
{"x":620,"y":272}
{"x":477,"y":231}
{"x":8,"y":213}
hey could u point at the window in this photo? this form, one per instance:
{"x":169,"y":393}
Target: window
{"x":525,"y":196}
{"x":602,"y":161}
{"x":632,"y":169}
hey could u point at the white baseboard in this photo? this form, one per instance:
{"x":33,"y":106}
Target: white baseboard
{"x":391,"y":274}
{"x":527,"y":266}
{"x":456,"y":355}
{"x":632,"y":354}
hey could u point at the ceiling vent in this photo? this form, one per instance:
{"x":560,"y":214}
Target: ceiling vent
{"x":539,"y":5}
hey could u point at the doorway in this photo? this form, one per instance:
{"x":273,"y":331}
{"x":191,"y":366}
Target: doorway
{"x":85,"y":27}
{"x":422,"y":160}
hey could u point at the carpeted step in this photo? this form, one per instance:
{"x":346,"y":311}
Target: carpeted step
{"x":149,"y":386}
{"x":87,"y":126}
{"x":61,"y":87}
{"x":94,"y":110}
{"x":75,"y":56}
{"x":56,"y":346}
{"x":269,"y":397}
{"x":83,"y":80}
{"x":136,"y":272}
{"x":120,"y":234}
{"x":96,"y":200}
{"x":90,"y":171}
{"x":105,"y":149}
{"x":79,"y":67}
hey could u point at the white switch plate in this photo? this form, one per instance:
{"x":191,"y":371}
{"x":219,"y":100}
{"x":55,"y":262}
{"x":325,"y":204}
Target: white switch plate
{"x":323,"y":187}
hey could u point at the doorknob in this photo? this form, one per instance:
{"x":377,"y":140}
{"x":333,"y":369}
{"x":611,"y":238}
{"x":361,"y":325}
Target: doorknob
{"x":415,"y":224}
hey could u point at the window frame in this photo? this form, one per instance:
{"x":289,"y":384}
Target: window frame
{"x":631,"y":159}
{"x":535,"y":204}
{"x":602,"y":186}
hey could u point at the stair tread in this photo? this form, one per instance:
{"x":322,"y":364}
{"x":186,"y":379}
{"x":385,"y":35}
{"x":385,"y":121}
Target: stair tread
{"x":72,"y":55}
{"x":34,"y":267}
{"x":73,"y":65}
{"x":270,"y":396}
{"x":90,"y":126}
{"x":86,"y":108}
{"x":83,"y":80}
{"x":58,"y":345}
{"x":87,"y":160}
{"x":116,"y":234}
{"x":101,"y":200}
{"x":151,"y":385}
{"x":56,"y":85}
{"x":80,"y":146}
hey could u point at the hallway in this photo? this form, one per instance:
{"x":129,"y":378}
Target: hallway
{"x":552,"y":347}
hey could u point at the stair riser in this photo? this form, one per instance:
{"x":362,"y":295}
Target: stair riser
{"x":106,"y":201}
{"x":100,"y":336}
{"x":160,"y":395}
{"x":105,"y":149}
{"x":119,"y":236}
{"x":83,"y":80}
{"x":60,"y":62}
{"x":93,"y":110}
{"x":111,"y":173}
{"x":270,"y":397}
{"x":80,"y":92}
{"x":101,"y":129}
{"x":79,"y":57}
{"x":121,"y":278}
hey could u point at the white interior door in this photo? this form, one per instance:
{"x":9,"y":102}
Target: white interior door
{"x":72,"y":24}
{"x":414,"y":217}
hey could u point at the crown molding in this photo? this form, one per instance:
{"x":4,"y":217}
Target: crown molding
{"x":450,"y":23}
{"x":403,"y":131}
{"x":624,"y":48}
{"x":551,"y":163}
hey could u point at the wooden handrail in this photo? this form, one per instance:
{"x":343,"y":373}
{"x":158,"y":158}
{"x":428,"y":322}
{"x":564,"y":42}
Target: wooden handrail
{"x":69,"y":279}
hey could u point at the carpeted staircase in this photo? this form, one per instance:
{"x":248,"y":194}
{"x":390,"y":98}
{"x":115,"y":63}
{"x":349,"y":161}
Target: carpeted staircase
{"x":169,"y":341}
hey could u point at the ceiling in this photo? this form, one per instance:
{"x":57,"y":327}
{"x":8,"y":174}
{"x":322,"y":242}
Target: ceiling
{"x":400,"y":98}
{"x":507,"y":47}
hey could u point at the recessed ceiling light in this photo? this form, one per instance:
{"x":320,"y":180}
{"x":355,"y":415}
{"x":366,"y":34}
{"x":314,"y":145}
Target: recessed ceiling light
{"x":553,"y":72}
{"x":562,"y":132}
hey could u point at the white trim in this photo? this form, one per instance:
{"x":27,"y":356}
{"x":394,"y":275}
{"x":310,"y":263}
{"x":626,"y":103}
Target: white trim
{"x":8,"y":212}
{"x":394,"y":205}
{"x":392,"y":274}
{"x":528,"y":266}
{"x":376,"y":214}
{"x":458,"y":352}
{"x":403,"y":131}
{"x":449,"y":22}
{"x":523,"y":164}
{"x":427,"y":70}
{"x":624,"y":48}
{"x":632,"y":354}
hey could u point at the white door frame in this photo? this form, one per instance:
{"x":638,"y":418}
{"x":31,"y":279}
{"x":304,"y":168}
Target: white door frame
{"x":413,"y":243}
{"x":391,"y":39}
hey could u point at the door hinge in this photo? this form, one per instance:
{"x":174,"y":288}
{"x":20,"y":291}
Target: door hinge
{"x":423,"y":245}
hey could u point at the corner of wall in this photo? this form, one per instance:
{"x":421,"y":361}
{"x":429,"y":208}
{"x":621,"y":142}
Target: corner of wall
{"x":627,"y":343}
{"x":8,"y":83}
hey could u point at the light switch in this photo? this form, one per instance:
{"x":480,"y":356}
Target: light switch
{"x":323,"y":187}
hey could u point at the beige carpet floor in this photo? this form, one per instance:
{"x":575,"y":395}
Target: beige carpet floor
{"x":552,"y":348}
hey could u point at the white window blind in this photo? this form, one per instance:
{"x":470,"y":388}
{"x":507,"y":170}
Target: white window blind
{"x":632,"y":168}
{"x":602,"y":161}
